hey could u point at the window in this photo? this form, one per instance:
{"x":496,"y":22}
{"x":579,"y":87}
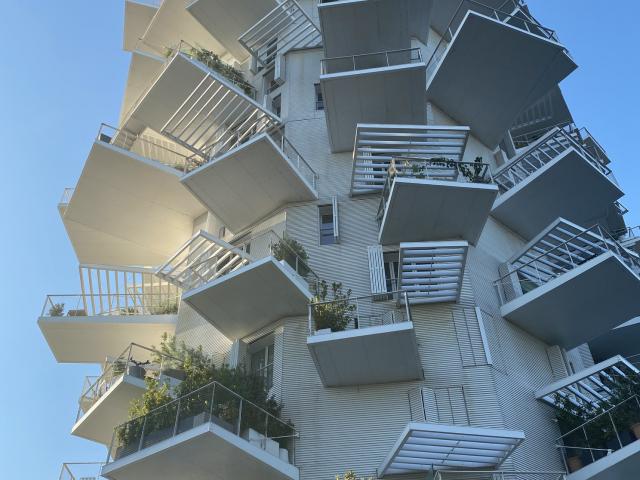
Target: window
{"x":262,"y":361}
{"x":327,"y":233}
{"x":319,"y":97}
{"x":391,"y":270}
{"x":276,"y":105}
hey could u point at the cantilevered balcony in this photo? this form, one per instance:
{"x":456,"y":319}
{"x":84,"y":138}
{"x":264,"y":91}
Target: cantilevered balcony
{"x":80,"y":471}
{"x":435,"y":199}
{"x":129,"y":207}
{"x":381,"y":87}
{"x":555,"y":177}
{"x":570,"y":285}
{"x":212,"y":429}
{"x":432,"y":272}
{"x":253,"y":179}
{"x":376,"y":145}
{"x":286,"y":27}
{"x":607,"y":446}
{"x":364,"y":340}
{"x":200,"y":103}
{"x":441,"y":437}
{"x":589,"y":387}
{"x":105,"y":400}
{"x":240,"y":287}
{"x":87,"y":328}
{"x":621,"y":340}
{"x":521,"y":61}
{"x":137,"y":17}
{"x":361,"y":26}
{"x":541,"y":116}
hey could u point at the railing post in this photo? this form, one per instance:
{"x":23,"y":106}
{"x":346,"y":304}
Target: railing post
{"x":310,"y":318}
{"x":586,"y":437}
{"x":175,"y":424}
{"x":615,"y":429}
{"x":144,"y":424}
{"x":406,"y":306}
{"x":240,"y":415}
{"x":213,"y":395}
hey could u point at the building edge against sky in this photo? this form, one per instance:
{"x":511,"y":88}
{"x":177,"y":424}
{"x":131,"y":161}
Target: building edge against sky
{"x":265,"y":147}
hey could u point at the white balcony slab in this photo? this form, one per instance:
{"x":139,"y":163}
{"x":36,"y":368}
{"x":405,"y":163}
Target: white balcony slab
{"x":491,"y":71}
{"x":143,"y":68}
{"x":353,"y":27}
{"x":137,"y":17}
{"x":128,"y":210}
{"x":91,"y":339}
{"x":205,"y":452}
{"x":111,"y":410}
{"x":251,"y":297}
{"x":380,"y":354}
{"x":579,"y":305}
{"x":249,"y":182}
{"x":619,"y":465}
{"x":424,"y":447}
{"x":227,"y":20}
{"x":393,"y":94}
{"x":569,"y":186}
{"x":419,"y":210}
{"x":621,"y":340}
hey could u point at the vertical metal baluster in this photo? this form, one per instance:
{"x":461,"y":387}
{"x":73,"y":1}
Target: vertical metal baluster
{"x":240,"y":415}
{"x":175,"y":425}
{"x":144,"y":424}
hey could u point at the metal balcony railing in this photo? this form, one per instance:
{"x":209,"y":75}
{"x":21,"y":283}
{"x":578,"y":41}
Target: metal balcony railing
{"x":205,"y":258}
{"x":114,"y":304}
{"x":352,"y":63}
{"x":561,"y":248}
{"x":439,"y":169}
{"x":511,"y":12}
{"x":545,"y":150}
{"x":284,"y":28}
{"x":81,"y":471}
{"x":627,"y":234}
{"x":498,"y":475}
{"x":357,"y":313}
{"x":213,"y":403}
{"x":602,"y":435}
{"x":146,"y":146}
{"x":67,"y":193}
{"x":135,"y":361}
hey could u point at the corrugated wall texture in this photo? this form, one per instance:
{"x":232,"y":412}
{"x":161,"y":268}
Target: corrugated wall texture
{"x":194,"y":330}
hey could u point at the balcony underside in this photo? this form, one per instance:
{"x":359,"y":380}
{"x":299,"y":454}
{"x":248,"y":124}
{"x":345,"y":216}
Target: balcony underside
{"x":82,"y":339}
{"x":568,"y":187}
{"x":227,"y":20}
{"x":128,"y":210}
{"x":491,"y":72}
{"x":579,"y":305}
{"x":619,"y":465}
{"x":137,"y":16}
{"x":251,"y":297}
{"x":424,"y":447}
{"x":382,"y":354}
{"x":376,"y":95}
{"x":143,"y":68}
{"x":353,"y":27}
{"x":246,"y":184}
{"x":622,"y":340}
{"x":174,"y":23}
{"x":111,"y":410}
{"x":420,"y":210}
{"x":205,"y":452}
{"x":443,"y":10}
{"x":544,"y":113}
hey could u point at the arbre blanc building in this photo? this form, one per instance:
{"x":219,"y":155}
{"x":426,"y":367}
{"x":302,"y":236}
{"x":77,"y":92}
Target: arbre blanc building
{"x":422,"y":154}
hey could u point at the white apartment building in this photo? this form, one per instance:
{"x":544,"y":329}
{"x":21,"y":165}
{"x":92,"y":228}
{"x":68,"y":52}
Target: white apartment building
{"x":422,"y":154}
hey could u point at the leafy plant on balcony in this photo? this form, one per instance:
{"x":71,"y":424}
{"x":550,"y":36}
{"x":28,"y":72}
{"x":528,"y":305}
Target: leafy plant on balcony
{"x":167,"y":307}
{"x":56,"y":310}
{"x":419,"y":168}
{"x":292,"y":252}
{"x":475,"y":173}
{"x":334,"y":313}
{"x":351,"y":475}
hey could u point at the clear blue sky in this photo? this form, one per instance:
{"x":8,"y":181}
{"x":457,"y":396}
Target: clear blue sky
{"x":63,"y":73}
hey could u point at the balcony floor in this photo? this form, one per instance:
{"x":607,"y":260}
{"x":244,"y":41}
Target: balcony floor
{"x":381,"y":354}
{"x":251,"y":297}
{"x":248,"y":183}
{"x":376,"y":95}
{"x":206,"y":452}
{"x":93,"y":339}
{"x":420,"y":210}
{"x":622,"y":464}
{"x":128,"y":210}
{"x":568,"y":187}
{"x":353,"y":27}
{"x":491,"y":72}
{"x":580,"y":305}
{"x":111,"y":410}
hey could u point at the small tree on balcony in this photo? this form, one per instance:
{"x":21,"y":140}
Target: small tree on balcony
{"x":334,"y":313}
{"x":292,"y":252}
{"x":56,"y":310}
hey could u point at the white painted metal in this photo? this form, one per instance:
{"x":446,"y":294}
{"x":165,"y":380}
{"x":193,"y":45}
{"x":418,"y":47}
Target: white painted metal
{"x":376,"y":145}
{"x":376,"y":269}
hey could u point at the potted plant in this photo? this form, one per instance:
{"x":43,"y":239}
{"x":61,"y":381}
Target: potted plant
{"x":56,"y":310}
{"x":291,"y":251}
{"x":335,"y":314}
